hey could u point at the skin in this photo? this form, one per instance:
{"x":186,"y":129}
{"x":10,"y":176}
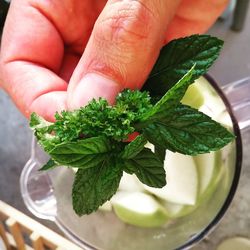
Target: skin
{"x":59,"y":54}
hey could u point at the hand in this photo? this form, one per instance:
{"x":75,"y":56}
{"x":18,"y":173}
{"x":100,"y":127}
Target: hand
{"x":59,"y":54}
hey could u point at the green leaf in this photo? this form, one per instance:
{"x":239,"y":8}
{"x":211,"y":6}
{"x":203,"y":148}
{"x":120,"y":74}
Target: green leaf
{"x":170,"y":100}
{"x":177,"y":57}
{"x":160,"y":152}
{"x":38,"y":123}
{"x":99,"y":118}
{"x":134,"y":147}
{"x":49,"y":165}
{"x":85,"y":153}
{"x":188,"y":131}
{"x":42,"y":130}
{"x":148,"y":168}
{"x":134,"y":101}
{"x":94,"y":186}
{"x":93,"y":145}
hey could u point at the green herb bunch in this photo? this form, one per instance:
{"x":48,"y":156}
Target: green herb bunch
{"x":94,"y":139}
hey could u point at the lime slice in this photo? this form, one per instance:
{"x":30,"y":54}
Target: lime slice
{"x":173,"y":209}
{"x":107,"y":206}
{"x":206,"y":169}
{"x":182,"y":180}
{"x":214,"y":105}
{"x":235,"y":243}
{"x":177,"y":210}
{"x":225,"y":119}
{"x":210,"y":171}
{"x":139,"y":209}
{"x":193,"y":96}
{"x":130,"y":183}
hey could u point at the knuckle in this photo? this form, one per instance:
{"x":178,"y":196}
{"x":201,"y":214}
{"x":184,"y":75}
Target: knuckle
{"x":127,"y":24}
{"x":122,"y":34}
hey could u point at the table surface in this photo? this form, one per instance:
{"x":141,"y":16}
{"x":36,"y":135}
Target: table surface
{"x":233,"y":64}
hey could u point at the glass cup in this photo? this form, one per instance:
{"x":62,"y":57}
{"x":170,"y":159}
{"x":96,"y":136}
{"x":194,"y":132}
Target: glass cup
{"x":48,"y":194}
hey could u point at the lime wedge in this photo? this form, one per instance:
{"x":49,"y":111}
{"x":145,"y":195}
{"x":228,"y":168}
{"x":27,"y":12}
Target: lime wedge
{"x":139,"y":209}
{"x":177,"y":210}
{"x":206,"y":169}
{"x":193,"y":96}
{"x":182,"y":180}
{"x":130,"y":183}
{"x":173,"y":210}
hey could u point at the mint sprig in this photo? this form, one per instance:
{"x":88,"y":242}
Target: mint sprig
{"x":94,"y":138}
{"x":177,"y":57}
{"x":187,"y":131}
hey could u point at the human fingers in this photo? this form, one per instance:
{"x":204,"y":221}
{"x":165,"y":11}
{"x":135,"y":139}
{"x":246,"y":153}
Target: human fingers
{"x":41,"y":45}
{"x":194,"y":17}
{"x":31,"y":54}
{"x":42,"y":40}
{"x":122,"y":49}
{"x":33,"y":88}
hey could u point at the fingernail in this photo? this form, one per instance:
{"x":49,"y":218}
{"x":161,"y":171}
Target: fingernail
{"x":93,"y":86}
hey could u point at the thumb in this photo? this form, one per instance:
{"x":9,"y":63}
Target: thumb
{"x":122,"y":49}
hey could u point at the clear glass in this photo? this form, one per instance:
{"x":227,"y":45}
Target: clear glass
{"x":48,"y":194}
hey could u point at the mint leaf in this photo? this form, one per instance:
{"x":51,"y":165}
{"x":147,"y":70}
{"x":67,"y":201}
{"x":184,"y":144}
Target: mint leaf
{"x":160,"y":152}
{"x":49,"y":165}
{"x":170,"y":100}
{"x":92,"y":145}
{"x":177,"y":57}
{"x":94,"y":186}
{"x":134,"y":147}
{"x":187,"y":131}
{"x":85,"y":153}
{"x":148,"y":168}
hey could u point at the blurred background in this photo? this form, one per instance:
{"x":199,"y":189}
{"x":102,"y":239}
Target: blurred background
{"x":233,"y":64}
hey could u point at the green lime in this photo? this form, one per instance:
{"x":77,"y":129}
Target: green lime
{"x":193,"y":96}
{"x":140,"y":209}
